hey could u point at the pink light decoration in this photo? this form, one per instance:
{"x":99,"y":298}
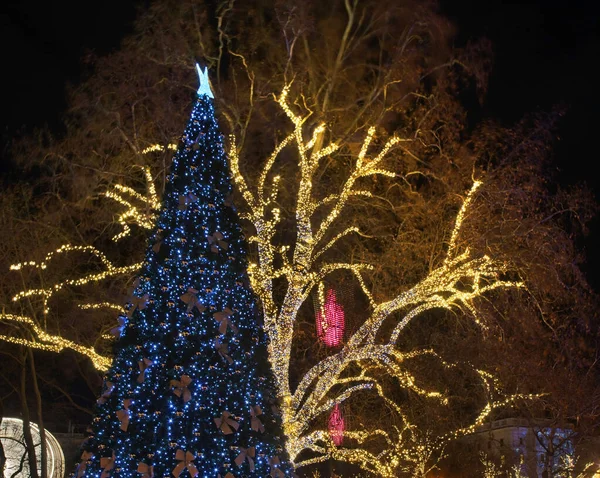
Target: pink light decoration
{"x":336,"y":425}
{"x":330,"y":329}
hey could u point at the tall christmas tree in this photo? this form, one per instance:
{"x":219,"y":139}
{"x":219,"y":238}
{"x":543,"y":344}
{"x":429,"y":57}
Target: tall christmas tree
{"x":190,"y":389}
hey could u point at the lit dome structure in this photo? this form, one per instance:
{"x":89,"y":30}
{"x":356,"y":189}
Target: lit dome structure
{"x":13,"y":442}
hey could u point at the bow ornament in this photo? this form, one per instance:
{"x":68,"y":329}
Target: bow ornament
{"x":184,"y":200}
{"x":186,"y":460}
{"x":138,"y":303}
{"x":143,"y":365}
{"x":225,"y":424}
{"x":224,"y":320}
{"x":85,"y":457}
{"x":229,"y":201}
{"x":107,"y":463}
{"x":146,"y":470}
{"x":246,"y":454}
{"x":216,"y":242}
{"x":255,"y":422}
{"x":118,"y":330}
{"x":223,"y":350}
{"x":180,"y":388}
{"x":108,"y":388}
{"x":134,"y":286}
{"x":275,"y":471}
{"x":123,"y":414}
{"x":191,"y":299}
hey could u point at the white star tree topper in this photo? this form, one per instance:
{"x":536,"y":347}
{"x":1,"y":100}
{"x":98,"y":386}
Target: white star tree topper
{"x":204,"y":88}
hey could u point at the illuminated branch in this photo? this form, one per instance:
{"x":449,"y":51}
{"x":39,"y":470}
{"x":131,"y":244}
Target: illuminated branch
{"x":140,"y":211}
{"x":52,"y":343}
{"x":143,"y":216}
{"x":456,"y":284}
{"x":103,"y":305}
{"x":110,"y":270}
{"x":460,"y":218}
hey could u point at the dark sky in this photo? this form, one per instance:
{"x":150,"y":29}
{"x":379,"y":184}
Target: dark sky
{"x":545,"y":53}
{"x":41,"y":45}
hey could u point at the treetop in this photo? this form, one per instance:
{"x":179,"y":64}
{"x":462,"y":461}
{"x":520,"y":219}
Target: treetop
{"x":204,"y":88}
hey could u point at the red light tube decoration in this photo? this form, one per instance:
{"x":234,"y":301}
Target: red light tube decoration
{"x":336,"y":425}
{"x":331,"y":321}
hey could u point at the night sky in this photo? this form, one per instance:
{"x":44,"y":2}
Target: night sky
{"x":545,"y":54}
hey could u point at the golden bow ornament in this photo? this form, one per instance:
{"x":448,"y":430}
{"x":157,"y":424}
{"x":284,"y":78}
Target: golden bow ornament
{"x":123,"y":414}
{"x":275,"y":471}
{"x":143,"y":365}
{"x":85,"y":457}
{"x":191,"y":299}
{"x":223,"y":350}
{"x":216,"y":242}
{"x":186,"y":460}
{"x":255,"y":422}
{"x":226,"y":424}
{"x":108,"y":388}
{"x":107,"y":463}
{"x":146,"y":470}
{"x":246,"y":454}
{"x":224,"y":320}
{"x":180,"y":387}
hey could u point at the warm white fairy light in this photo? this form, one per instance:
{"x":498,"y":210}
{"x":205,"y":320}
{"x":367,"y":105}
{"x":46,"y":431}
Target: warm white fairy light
{"x":102,"y":305}
{"x":144,"y":213}
{"x":158,"y":147}
{"x":53,"y":343}
{"x":110,"y":270}
{"x":327,"y":382}
{"x":460,"y":217}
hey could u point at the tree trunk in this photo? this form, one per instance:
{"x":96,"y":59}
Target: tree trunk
{"x":40,"y":420}
{"x":33,"y":472}
{"x":2,"y":455}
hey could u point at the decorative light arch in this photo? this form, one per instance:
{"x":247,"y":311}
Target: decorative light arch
{"x":13,"y":442}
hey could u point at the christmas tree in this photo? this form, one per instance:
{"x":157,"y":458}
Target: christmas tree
{"x":189,"y":392}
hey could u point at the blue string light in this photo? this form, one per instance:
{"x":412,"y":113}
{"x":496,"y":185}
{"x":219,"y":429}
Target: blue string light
{"x":190,"y":391}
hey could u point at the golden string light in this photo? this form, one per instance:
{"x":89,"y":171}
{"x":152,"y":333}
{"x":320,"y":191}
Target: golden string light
{"x":53,"y":343}
{"x":102,"y":305}
{"x":141,"y":211}
{"x":327,"y":382}
{"x":456,"y":284}
{"x":110,"y":270}
{"x":143,"y":214}
{"x":159,"y":147}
